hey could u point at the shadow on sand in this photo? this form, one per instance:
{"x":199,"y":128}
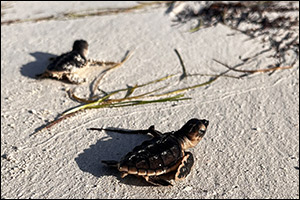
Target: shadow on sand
{"x":38,"y":66}
{"x":111,"y":147}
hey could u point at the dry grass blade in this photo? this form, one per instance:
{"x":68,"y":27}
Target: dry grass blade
{"x":127,"y":55}
{"x":188,"y":88}
{"x":157,"y":80}
{"x":130,"y":91}
{"x":214,"y":75}
{"x":253,"y":71}
{"x":82,"y":100}
{"x":184,"y":75}
{"x":99,"y":12}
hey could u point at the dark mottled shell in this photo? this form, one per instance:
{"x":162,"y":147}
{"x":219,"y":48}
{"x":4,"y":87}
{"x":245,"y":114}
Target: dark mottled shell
{"x":68,"y":61}
{"x":153,"y":157}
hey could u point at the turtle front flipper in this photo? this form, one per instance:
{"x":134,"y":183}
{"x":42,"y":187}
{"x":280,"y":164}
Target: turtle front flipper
{"x":185,"y":167}
{"x":75,"y":78}
{"x":93,"y":63}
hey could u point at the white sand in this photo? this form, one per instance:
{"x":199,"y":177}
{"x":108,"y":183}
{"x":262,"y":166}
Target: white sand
{"x":251,"y":149}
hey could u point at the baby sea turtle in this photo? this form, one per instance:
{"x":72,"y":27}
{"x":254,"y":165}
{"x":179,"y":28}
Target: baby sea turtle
{"x":163,"y":157}
{"x":67,"y":65}
{"x":71,"y":65}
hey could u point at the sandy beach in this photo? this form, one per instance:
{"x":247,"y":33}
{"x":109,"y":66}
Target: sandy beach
{"x":251,"y":147}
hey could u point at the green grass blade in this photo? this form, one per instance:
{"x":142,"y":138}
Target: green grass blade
{"x":140,"y":102}
{"x":82,"y":107}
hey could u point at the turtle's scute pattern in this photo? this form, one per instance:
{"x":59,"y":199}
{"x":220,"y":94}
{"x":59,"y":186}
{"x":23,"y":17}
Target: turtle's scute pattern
{"x":67,"y":61}
{"x":156,"y":154}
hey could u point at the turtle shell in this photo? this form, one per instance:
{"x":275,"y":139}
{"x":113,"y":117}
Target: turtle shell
{"x":68,"y":61}
{"x":154,"y":157}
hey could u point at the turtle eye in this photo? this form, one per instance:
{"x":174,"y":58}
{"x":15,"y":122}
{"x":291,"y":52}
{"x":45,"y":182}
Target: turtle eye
{"x":202,"y":129}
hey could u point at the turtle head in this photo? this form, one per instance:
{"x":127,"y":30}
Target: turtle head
{"x":192,"y":132}
{"x":81,"y":46}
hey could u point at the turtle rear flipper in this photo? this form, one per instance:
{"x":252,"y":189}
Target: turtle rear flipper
{"x":185,"y":167}
{"x":52,"y":58}
{"x":158,"y":181}
{"x":42,"y":75}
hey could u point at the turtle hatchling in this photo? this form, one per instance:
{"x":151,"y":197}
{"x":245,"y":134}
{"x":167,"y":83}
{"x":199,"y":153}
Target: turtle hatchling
{"x":164,"y":157}
{"x":72,"y":65}
{"x":67,"y":65}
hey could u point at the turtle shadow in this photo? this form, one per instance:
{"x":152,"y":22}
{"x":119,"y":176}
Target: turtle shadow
{"x":111,"y":147}
{"x":38,"y":66}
